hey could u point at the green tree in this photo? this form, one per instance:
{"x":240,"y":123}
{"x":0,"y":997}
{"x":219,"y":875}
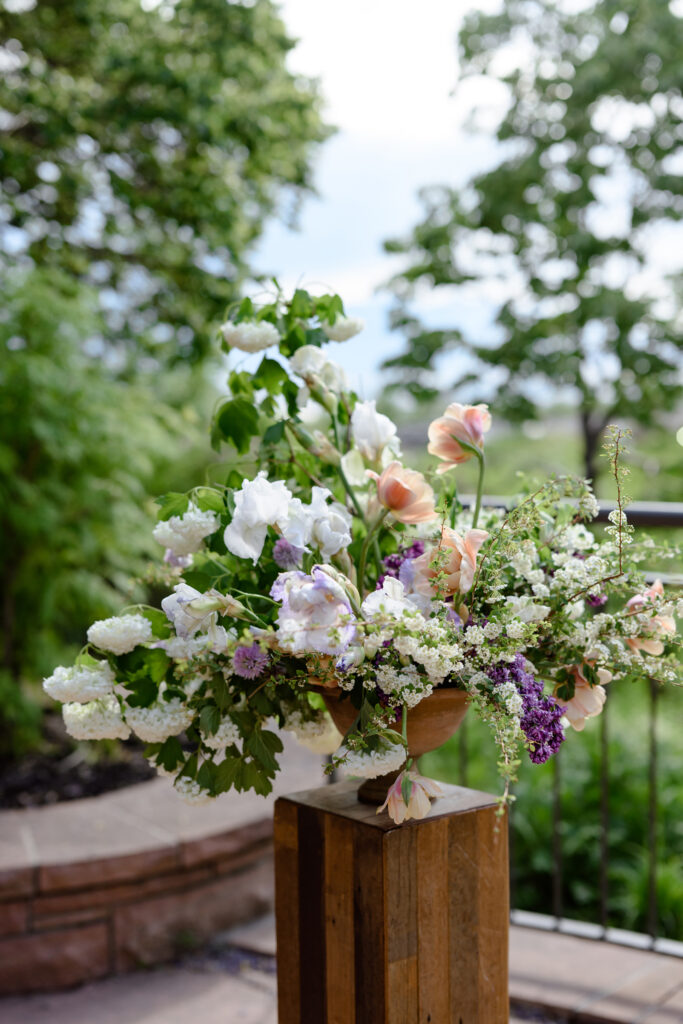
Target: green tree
{"x":593,"y":115}
{"x":143,"y":146}
{"x":79,"y":454}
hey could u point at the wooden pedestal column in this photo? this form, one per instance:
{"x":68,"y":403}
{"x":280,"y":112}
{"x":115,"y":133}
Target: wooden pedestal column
{"x":386,"y":924}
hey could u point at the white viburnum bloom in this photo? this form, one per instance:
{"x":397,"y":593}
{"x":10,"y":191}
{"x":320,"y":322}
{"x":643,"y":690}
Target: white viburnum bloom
{"x":259,"y":504}
{"x":97,"y":720}
{"x":183,"y":535}
{"x":225,"y":735}
{"x":370,"y":764}
{"x":80,"y":683}
{"x":160,"y":720}
{"x":372,"y":431}
{"x":318,"y":734}
{"x":343,"y":328}
{"x":120,"y":634}
{"x":190,"y":791}
{"x":311,"y":363}
{"x":250,"y":337}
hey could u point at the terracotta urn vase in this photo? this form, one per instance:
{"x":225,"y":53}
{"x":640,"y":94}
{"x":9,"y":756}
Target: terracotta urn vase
{"x":430,"y":724}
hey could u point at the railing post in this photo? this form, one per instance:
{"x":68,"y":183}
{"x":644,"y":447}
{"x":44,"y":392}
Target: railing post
{"x":386,"y":924}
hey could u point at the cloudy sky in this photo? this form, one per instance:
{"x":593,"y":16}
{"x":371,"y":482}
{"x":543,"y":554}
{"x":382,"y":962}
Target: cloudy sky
{"x":387,"y":69}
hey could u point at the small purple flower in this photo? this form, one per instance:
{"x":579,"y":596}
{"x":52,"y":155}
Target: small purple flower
{"x":249,"y":662}
{"x":597,"y":600}
{"x":541,"y":715}
{"x":286,"y":555}
{"x":394,"y":563}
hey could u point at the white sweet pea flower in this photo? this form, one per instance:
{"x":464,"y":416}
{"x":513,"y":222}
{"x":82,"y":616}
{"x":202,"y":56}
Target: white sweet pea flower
{"x":372,"y":431}
{"x":524,"y":608}
{"x":319,"y":525}
{"x":184,"y":534}
{"x":315,"y":615}
{"x":250,"y":337}
{"x":259,"y":504}
{"x":190,"y":612}
{"x":343,"y":328}
{"x":311,"y":363}
{"x":389,"y":602}
{"x":354,"y":468}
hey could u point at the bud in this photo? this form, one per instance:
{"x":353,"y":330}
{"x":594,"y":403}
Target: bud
{"x":323,"y":449}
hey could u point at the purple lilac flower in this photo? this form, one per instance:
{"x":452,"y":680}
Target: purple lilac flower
{"x":597,"y":600}
{"x":249,"y":662}
{"x":393,"y":563}
{"x":286,"y":555}
{"x":541,"y":715}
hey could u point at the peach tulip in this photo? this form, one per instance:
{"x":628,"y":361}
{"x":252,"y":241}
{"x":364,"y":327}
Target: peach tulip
{"x":405,"y":493}
{"x":467,"y":423}
{"x":659,"y":626}
{"x":457,"y":558}
{"x":419,"y":803}
{"x":588,"y":701}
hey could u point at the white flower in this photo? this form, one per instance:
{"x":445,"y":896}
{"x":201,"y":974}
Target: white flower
{"x":80,"y":683}
{"x":190,"y":611}
{"x":259,"y":504}
{"x":354,"y":468}
{"x":315,"y":613}
{"x":524,"y":608}
{"x":510,"y":697}
{"x":311,"y":363}
{"x":184,"y":534}
{"x":97,"y":720}
{"x":225,"y":736}
{"x":190,"y":791}
{"x":371,"y":430}
{"x":183,"y":648}
{"x":120,"y":634}
{"x":250,"y":337}
{"x":492,"y":630}
{"x":405,"y":683}
{"x":371,"y":763}
{"x":515,"y":630}
{"x":160,"y":720}
{"x":475,"y":635}
{"x":343,"y":328}
{"x":318,"y":734}
{"x":325,"y":527}
{"x":389,"y":602}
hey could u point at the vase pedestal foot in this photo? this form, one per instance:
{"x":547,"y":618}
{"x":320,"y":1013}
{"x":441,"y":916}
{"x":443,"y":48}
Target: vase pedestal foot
{"x":386,"y":924}
{"x":374,"y":791}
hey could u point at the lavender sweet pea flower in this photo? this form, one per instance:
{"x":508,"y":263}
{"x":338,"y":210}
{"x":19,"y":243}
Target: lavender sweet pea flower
{"x":316,"y":613}
{"x":286,"y":555}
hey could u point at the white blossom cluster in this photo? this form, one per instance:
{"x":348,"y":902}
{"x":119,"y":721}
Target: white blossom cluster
{"x":162,"y":719}
{"x":343,"y":328}
{"x":80,"y":683}
{"x":406,"y":684}
{"x":120,"y":634}
{"x":183,"y":535}
{"x":97,"y":720}
{"x":225,"y":736}
{"x":190,"y":791}
{"x":250,"y":337}
{"x":317,"y":733}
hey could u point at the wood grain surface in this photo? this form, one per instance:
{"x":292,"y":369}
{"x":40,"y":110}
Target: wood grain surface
{"x":386,"y":924}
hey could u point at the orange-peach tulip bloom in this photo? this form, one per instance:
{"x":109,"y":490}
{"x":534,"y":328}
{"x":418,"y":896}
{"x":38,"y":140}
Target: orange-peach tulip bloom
{"x":458,"y":561}
{"x":466,"y":423}
{"x":588,"y":701}
{"x":659,"y":627}
{"x":406,"y":494}
{"x":419,"y":802}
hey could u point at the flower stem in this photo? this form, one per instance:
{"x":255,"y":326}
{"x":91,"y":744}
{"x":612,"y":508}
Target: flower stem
{"x":454,"y":504}
{"x":480,"y":488}
{"x":372,"y":529}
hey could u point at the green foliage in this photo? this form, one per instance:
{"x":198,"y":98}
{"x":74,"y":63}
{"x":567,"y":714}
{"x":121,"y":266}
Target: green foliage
{"x":145,"y":147}
{"x":594,"y":112}
{"x":79,"y":454}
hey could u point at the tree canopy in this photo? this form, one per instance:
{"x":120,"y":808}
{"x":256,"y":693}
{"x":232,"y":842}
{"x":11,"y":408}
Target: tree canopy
{"x":143,"y":144}
{"x":586,"y":183}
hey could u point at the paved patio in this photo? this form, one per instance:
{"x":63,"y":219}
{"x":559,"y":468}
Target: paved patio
{"x":553,"y":978}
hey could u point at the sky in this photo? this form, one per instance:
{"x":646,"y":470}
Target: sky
{"x":387,"y":70}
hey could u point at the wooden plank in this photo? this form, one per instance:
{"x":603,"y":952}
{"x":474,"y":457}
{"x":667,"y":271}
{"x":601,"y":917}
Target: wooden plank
{"x":402,"y":996}
{"x":287,"y":911}
{"x":463,"y":915}
{"x":312,"y":956}
{"x":370,"y":954}
{"x":494,"y":914}
{"x":339,"y":920}
{"x":432,"y":922}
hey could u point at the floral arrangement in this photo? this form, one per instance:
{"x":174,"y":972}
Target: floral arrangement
{"x":323,"y":569}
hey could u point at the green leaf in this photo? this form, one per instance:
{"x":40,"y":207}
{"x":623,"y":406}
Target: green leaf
{"x":170,"y":754}
{"x":172,"y":504}
{"x":237,"y":421}
{"x":161,"y":627}
{"x":221,"y":692}
{"x":209,"y":500}
{"x":209,"y":719}
{"x":156,"y":663}
{"x":262,"y":745}
{"x":144,"y":693}
{"x":270,"y":375}
{"x":254,"y":777}
{"x":274,"y":433}
{"x":199,"y":580}
{"x":226,"y":773}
